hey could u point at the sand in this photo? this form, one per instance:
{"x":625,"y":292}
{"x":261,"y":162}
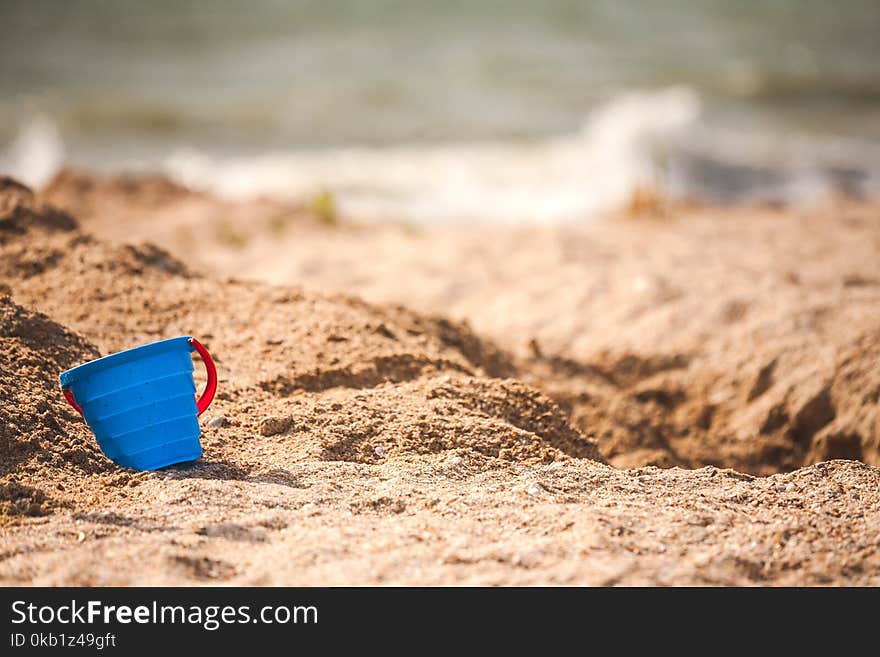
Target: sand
{"x":739,"y":337}
{"x":502,"y":426}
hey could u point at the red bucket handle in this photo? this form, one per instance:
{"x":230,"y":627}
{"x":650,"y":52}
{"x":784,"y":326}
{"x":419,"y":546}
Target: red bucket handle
{"x":203,"y":402}
{"x":68,"y":395}
{"x":211,"y":386}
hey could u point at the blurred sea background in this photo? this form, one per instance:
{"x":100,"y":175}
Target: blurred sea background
{"x":451,"y":111}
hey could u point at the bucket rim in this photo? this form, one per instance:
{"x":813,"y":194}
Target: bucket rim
{"x":74,"y":374}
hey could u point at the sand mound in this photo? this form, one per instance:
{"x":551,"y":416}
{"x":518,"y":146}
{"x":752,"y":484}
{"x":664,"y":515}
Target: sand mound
{"x":82,"y":193}
{"x":198,"y":225}
{"x":729,"y":337}
{"x":40,"y":436}
{"x":686,"y":342}
{"x":283,"y":354}
{"x":20,"y":212}
{"x":384,"y":369}
{"x":282,"y":340}
{"x":353,"y":443}
{"x":500,"y":418}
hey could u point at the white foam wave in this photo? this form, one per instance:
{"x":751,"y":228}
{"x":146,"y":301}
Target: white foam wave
{"x":639,"y":138}
{"x":36,"y":153}
{"x":555,"y":179}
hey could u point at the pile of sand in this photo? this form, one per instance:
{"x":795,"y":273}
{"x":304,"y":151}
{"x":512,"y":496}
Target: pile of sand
{"x":397,"y":382}
{"x":42,"y":441}
{"x":740,"y":338}
{"x":500,"y":418}
{"x":353,"y":443}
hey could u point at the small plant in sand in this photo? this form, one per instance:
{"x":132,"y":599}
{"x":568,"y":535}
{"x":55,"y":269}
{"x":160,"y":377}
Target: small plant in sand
{"x":648,"y":196}
{"x":279,"y":223}
{"x":646,"y":200}
{"x":228,"y":235}
{"x":323,"y":206}
{"x":411,"y":230}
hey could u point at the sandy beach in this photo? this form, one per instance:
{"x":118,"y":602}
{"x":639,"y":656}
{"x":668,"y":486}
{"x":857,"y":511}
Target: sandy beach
{"x":674,"y":394}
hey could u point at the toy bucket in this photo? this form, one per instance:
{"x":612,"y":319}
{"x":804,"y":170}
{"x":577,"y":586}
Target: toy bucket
{"x":140,"y":403}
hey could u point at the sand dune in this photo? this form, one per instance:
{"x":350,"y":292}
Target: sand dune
{"x":740,"y":337}
{"x":357,"y":442}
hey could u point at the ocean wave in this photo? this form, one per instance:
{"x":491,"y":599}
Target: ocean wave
{"x":36,"y":153}
{"x":729,"y":166}
{"x":650,"y":139}
{"x":641,"y":139}
{"x":620,"y":146}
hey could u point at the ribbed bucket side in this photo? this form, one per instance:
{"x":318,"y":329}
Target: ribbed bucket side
{"x":143,"y":412}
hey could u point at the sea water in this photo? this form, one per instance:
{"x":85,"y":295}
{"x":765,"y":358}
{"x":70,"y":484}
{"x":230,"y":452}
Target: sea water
{"x":450,"y":111}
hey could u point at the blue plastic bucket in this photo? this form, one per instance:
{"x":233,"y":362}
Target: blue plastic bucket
{"x":140,"y":403}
